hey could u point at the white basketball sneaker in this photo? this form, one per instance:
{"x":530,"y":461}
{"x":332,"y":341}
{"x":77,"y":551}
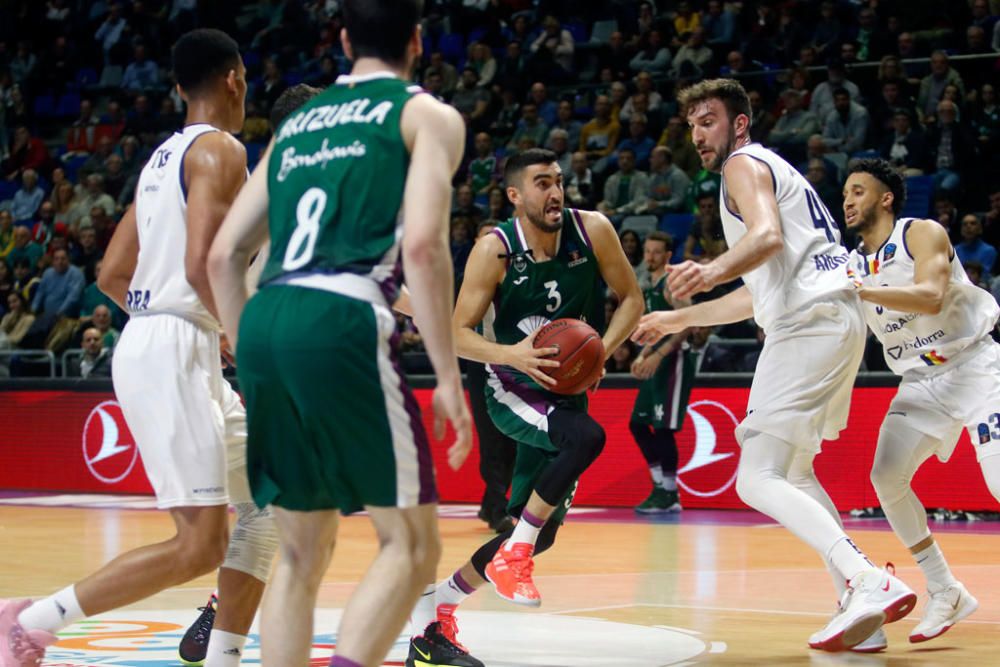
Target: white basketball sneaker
{"x":877,"y":642}
{"x":943,"y":610}
{"x":873,"y":598}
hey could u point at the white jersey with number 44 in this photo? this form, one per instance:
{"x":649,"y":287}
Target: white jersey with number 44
{"x":159,"y":284}
{"x":810,"y":265}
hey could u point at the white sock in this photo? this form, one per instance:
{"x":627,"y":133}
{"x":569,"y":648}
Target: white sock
{"x":224,"y":649}
{"x":935,"y":568}
{"x":669,"y":482}
{"x":848,"y":558}
{"x":657,"y":474}
{"x":424,"y":612}
{"x":526,"y":531}
{"x":451,"y":592}
{"x":54,"y":613}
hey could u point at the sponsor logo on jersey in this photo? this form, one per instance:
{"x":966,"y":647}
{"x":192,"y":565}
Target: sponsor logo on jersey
{"x":896,"y":351}
{"x":984,"y":434}
{"x":108,"y":450}
{"x":830,"y":262}
{"x":898,"y":323}
{"x":326,"y":153}
{"x":889,"y":254}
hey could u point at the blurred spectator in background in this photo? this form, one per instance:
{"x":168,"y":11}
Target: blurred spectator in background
{"x":57,"y":303}
{"x":24,"y":248}
{"x":96,"y":359}
{"x":599,"y":137}
{"x":905,"y":147}
{"x":625,"y":191}
{"x":653,"y":55}
{"x":566,"y":121}
{"x":762,"y":120}
{"x":950,"y":148}
{"x":821,"y":103}
{"x":142,"y":74}
{"x":933,"y":85}
{"x":637,"y":141}
{"x":668,"y":185}
{"x":794,"y":128}
{"x":499,"y":209}
{"x":484,"y":169}
{"x":692,"y":59}
{"x":16,"y":322}
{"x":27,"y":199}
{"x":558,"y":143}
{"x":25,"y":279}
{"x":845,"y":129}
{"x":6,"y":235}
{"x":482,"y":60}
{"x":973,"y":248}
{"x":706,"y":240}
{"x":579,"y":183}
{"x":531,"y":126}
{"x":470,"y":99}
{"x":548,"y":111}
{"x":553,"y":51}
{"x":681,"y":148}
{"x":465,"y":205}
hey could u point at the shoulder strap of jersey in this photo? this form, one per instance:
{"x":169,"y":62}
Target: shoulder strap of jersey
{"x":572,"y":218}
{"x":505,"y":232}
{"x":190,"y":142}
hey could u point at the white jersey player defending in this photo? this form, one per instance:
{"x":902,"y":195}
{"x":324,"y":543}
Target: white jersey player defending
{"x":934,"y":325}
{"x":785,"y":246}
{"x":188,"y":423}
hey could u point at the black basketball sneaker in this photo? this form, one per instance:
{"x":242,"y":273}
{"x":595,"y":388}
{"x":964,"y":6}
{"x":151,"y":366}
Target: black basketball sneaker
{"x":439,"y":648}
{"x":194,"y":644}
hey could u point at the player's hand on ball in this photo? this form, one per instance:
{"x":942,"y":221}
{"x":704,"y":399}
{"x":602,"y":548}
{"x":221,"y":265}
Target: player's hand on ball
{"x":449,"y":406}
{"x":643,"y":368}
{"x":689,"y":278}
{"x":531,"y":361}
{"x":654,"y":326}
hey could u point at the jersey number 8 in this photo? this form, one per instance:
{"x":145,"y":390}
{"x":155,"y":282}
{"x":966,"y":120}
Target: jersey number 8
{"x":302,"y":243}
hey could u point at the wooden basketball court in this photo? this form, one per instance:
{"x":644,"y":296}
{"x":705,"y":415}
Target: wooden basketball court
{"x":705,"y":587}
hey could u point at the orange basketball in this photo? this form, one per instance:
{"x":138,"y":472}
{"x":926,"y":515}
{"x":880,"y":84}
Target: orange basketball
{"x":580,"y":356}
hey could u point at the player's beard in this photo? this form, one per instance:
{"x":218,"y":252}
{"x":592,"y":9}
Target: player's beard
{"x":723,"y":153}
{"x":537,"y":218}
{"x":867,"y":217}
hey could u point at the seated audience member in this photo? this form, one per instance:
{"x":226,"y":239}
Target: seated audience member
{"x":625,"y":191}
{"x":668,"y":185}
{"x":973,"y":248}
{"x":16,"y":322}
{"x":96,"y":359}
{"x":57,"y":302}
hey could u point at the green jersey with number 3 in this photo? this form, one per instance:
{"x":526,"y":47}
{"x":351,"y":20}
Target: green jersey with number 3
{"x":335,"y":181}
{"x":535,"y":293}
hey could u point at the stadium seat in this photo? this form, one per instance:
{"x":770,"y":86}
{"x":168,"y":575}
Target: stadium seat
{"x":640,"y":224}
{"x":111,"y":76}
{"x":678,"y":225}
{"x":452,"y":47}
{"x":578,"y":29}
{"x":602,"y":31}
{"x":86,"y":77}
{"x":8,"y":188}
{"x":45,"y":106}
{"x":68,"y":105}
{"x":919,"y":195}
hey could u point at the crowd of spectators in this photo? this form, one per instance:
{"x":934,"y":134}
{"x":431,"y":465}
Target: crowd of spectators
{"x":86,"y":93}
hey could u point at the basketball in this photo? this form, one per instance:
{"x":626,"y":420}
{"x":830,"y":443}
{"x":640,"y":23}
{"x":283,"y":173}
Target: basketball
{"x":580,"y":356}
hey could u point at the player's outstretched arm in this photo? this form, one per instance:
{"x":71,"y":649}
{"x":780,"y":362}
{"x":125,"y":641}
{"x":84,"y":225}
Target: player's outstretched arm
{"x":434,"y":134}
{"x":243,"y":231}
{"x":927,"y":242}
{"x":619,"y":276}
{"x":750,"y":186}
{"x":733,"y":307}
{"x":215,"y":167}
{"x":120,"y":259}
{"x":484,"y":271}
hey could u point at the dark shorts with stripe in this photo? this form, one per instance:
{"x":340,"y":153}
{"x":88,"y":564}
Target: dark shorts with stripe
{"x":662,"y":399}
{"x":331,"y":422}
{"x":521,"y":412}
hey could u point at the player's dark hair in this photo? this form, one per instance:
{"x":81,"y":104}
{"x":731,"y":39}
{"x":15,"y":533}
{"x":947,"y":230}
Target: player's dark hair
{"x":202,"y":55}
{"x":886,"y":174}
{"x":663,"y":237}
{"x":518,"y":162}
{"x":381,"y":28}
{"x":290,"y":100}
{"x":728,"y":91}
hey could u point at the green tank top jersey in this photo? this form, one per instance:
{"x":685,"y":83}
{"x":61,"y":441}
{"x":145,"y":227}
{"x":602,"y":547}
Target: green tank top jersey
{"x":535,"y":293}
{"x":335,"y":181}
{"x":653,"y":296}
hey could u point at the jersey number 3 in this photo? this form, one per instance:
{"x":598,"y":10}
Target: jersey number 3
{"x":302,"y":243}
{"x":554,"y":295}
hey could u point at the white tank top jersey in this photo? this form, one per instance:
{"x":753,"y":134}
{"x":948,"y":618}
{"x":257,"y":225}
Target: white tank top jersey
{"x":160,"y":284}
{"x":810,"y":266}
{"x":915,"y":342}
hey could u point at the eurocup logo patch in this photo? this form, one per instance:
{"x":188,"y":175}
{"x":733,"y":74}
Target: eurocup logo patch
{"x":108,"y":449}
{"x":712,"y":466}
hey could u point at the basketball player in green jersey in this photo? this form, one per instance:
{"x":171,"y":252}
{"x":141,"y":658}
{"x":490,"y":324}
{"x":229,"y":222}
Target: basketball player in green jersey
{"x":333,"y":426}
{"x":544,"y":264}
{"x":667,"y":374}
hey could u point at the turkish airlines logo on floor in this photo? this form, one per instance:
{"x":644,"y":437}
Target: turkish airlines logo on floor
{"x":108,"y":450}
{"x":711,"y":470}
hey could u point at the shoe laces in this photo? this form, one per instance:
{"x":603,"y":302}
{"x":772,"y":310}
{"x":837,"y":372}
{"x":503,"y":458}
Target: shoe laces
{"x":449,"y":631}
{"x":205,"y":622}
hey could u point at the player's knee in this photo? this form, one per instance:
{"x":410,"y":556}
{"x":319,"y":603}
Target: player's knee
{"x":890,"y":483}
{"x":413,"y":550}
{"x":307,"y":560}
{"x":749,"y":487}
{"x":201,"y":557}
{"x":253,"y":542}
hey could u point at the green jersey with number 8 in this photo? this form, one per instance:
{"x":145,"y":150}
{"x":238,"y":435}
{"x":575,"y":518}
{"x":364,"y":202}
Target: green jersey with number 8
{"x":335,"y":181}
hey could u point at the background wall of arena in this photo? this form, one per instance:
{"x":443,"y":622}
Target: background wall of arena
{"x":77,"y":441}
